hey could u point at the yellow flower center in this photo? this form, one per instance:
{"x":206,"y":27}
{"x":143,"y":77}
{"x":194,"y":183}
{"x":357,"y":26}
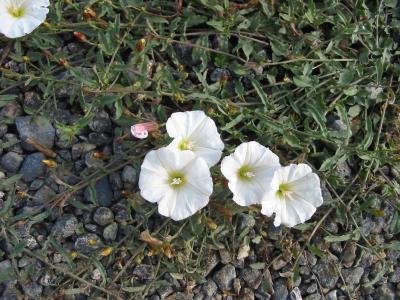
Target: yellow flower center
{"x":16,"y":12}
{"x":186,"y":145}
{"x":246,"y":173}
{"x":284,"y":188}
{"x":176,"y":180}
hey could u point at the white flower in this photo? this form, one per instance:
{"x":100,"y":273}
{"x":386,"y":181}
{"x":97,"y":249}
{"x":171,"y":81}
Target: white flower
{"x":294,"y":195}
{"x":196,"y":132}
{"x":20,"y":17}
{"x":249,"y":171}
{"x":179,"y":181}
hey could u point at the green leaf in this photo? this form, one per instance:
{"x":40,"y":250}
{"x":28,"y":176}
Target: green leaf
{"x":260,"y":92}
{"x":7,"y":275}
{"x":5,"y":99}
{"x":355,"y":236}
{"x":134,"y":289}
{"x":346,"y":77}
{"x":302,"y":81}
{"x":351,"y":91}
{"x":258,"y":266}
{"x":233,"y":123}
{"x":395,"y":224}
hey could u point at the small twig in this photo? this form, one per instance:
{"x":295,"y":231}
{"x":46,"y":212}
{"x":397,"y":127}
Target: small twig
{"x":46,"y":151}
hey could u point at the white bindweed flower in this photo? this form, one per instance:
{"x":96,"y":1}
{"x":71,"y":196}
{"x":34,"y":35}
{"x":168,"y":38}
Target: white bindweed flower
{"x":249,"y":171}
{"x":20,"y":17}
{"x":196,"y":132}
{"x":294,"y":195}
{"x":179,"y":181}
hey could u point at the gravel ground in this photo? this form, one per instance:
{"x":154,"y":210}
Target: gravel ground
{"x":330,"y":269}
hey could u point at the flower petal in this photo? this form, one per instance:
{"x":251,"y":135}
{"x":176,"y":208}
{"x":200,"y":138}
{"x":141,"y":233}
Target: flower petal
{"x":200,"y":130}
{"x":260,"y":161}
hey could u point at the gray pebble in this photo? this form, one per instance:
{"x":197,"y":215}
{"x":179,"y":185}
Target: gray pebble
{"x":332,"y":295}
{"x":80,"y":149}
{"x":352,"y":276}
{"x":37,"y":128}
{"x":43,"y":195}
{"x":280,"y":288}
{"x":32,"y":289}
{"x":121,"y":211}
{"x":11,"y":110}
{"x":103,"y":190}
{"x":143,"y":272}
{"x":251,"y":276}
{"x":103,"y":216}
{"x":94,"y":228}
{"x":165,"y":291}
{"x":384,"y":292}
{"x":209,"y":288}
{"x":99,"y":139}
{"x":395,"y":277}
{"x":32,"y":167}
{"x":224,"y":277}
{"x":87,"y":243}
{"x":36,"y":184}
{"x":246,"y":221}
{"x":130,"y":175}
{"x":313,"y":297}
{"x":65,"y":226}
{"x":6,"y":268}
{"x":225,"y":256}
{"x":116,"y":181}
{"x":219,"y":74}
{"x":11,"y":161}
{"x":349,"y":254}
{"x":110,"y":232}
{"x":327,"y":273}
{"x":101,"y":122}
{"x":3,"y":129}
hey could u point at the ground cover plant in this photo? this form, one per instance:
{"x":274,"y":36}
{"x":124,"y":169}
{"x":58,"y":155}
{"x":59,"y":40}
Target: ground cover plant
{"x":315,"y":81}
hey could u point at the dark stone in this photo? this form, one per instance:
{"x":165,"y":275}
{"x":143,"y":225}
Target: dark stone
{"x":99,"y":139}
{"x":384,"y":292}
{"x":32,"y":289}
{"x":121,"y":211}
{"x":209,"y":288}
{"x":250,"y":276}
{"x":281,"y":291}
{"x":87,"y":243}
{"x":32,"y":167}
{"x":6,"y":268}
{"x":37,"y":128}
{"x":101,"y":123}
{"x":352,"y":276}
{"x":44,"y":195}
{"x":81,"y":148}
{"x":11,"y":110}
{"x":110,"y":232}
{"x":103,"y":216}
{"x":327,"y":272}
{"x":3,"y":130}
{"x":103,"y":190}
{"x":224,"y":277}
{"x":116,"y":181}
{"x":11,"y":161}
{"x":130,"y":175}
{"x":143,"y":272}
{"x":219,"y":74}
{"x":65,"y":226}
